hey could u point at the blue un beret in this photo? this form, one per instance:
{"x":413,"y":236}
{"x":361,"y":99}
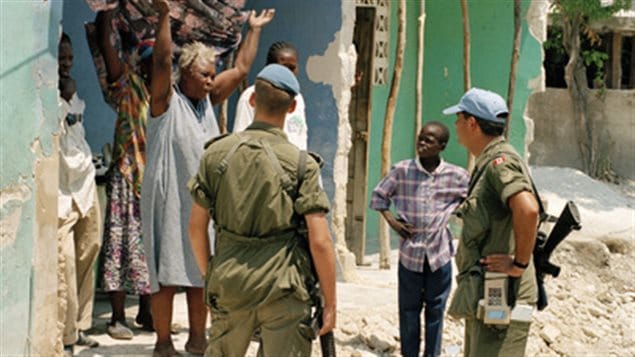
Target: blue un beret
{"x":280,"y":77}
{"x":482,"y":103}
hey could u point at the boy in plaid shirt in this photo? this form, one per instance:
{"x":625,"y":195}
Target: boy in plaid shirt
{"x":424,"y":191}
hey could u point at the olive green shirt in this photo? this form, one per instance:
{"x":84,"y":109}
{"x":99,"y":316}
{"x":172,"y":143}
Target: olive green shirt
{"x":499,"y":174}
{"x":247,"y":202}
{"x":257,"y":206}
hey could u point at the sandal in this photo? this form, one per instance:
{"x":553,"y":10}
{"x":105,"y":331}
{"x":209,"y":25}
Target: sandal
{"x":120,"y":331}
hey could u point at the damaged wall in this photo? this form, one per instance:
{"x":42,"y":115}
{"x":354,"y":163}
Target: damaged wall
{"x":491,"y":28}
{"x":556,"y":144}
{"x":28,"y":203}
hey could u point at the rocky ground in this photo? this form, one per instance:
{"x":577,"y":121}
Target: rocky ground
{"x":591,"y":308}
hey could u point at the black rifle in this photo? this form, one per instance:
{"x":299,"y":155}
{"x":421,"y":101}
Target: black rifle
{"x":327,"y":341}
{"x":569,"y":220}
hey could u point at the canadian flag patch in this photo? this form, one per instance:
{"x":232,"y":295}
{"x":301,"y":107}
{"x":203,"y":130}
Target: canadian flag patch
{"x":499,"y":160}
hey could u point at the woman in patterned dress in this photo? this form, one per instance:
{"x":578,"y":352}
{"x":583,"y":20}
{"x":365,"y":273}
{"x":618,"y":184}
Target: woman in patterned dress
{"x":123,"y":262}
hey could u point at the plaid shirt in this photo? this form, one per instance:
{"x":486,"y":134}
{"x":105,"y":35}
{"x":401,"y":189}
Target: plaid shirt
{"x":426,"y":200}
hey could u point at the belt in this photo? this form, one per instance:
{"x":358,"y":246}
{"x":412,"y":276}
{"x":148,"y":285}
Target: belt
{"x":256,"y":240}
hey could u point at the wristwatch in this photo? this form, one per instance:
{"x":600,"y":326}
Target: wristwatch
{"x":520,"y":265}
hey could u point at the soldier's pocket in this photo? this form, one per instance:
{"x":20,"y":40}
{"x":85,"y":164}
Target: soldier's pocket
{"x":468,"y":292}
{"x":475,"y":222}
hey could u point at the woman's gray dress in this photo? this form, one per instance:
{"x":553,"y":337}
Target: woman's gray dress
{"x":175,"y":143}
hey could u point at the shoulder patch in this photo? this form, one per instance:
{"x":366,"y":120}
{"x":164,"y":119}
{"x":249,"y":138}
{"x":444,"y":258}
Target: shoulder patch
{"x":220,"y":137}
{"x":499,"y":160}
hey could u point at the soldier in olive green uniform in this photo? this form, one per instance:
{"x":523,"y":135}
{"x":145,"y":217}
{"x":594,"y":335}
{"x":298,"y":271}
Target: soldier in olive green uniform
{"x":500,"y":218}
{"x":257,"y":279}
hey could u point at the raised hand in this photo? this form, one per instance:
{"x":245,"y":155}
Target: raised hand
{"x":161,"y":6}
{"x":262,"y":19}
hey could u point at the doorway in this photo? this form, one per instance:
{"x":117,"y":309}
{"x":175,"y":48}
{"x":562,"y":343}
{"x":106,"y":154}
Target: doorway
{"x":359,"y":116}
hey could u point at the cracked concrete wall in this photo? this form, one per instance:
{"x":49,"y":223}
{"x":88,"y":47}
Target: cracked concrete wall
{"x":557,"y":145}
{"x":613,"y":110}
{"x":537,"y":15}
{"x":341,"y":55}
{"x":28,"y":179}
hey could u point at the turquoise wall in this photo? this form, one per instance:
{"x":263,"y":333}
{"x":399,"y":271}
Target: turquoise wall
{"x":491,"y":25}
{"x":404,"y":126}
{"x":28,"y":88}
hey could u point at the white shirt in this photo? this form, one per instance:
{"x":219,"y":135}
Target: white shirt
{"x":77,"y":173}
{"x":294,"y":125}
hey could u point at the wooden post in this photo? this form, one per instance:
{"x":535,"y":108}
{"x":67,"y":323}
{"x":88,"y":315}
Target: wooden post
{"x":467,"y":79}
{"x":514,"y":66}
{"x":616,"y":61}
{"x":419,"y":88}
{"x":384,"y":239}
{"x":631,"y":81}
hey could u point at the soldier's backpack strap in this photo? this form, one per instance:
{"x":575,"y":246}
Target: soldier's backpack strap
{"x":287,"y":184}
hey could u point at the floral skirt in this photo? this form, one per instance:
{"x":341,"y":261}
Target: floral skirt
{"x":123,"y":262}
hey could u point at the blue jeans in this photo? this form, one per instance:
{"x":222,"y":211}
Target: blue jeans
{"x":416,"y":290}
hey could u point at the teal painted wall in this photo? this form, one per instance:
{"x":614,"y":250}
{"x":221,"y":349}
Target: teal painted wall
{"x":491,"y":25}
{"x":28,"y":107}
{"x":404,"y":121}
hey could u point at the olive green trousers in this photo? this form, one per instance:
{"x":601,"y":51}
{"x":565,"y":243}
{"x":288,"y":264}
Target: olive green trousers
{"x":279,"y":330}
{"x":486,"y":340}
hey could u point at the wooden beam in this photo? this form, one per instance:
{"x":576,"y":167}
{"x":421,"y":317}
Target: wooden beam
{"x":616,"y":61}
{"x":631,"y":80}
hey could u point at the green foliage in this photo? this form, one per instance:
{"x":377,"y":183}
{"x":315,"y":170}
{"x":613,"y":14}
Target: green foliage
{"x":597,"y":59}
{"x":594,"y":57}
{"x":586,"y":10}
{"x":581,"y":13}
{"x":554,"y":41}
